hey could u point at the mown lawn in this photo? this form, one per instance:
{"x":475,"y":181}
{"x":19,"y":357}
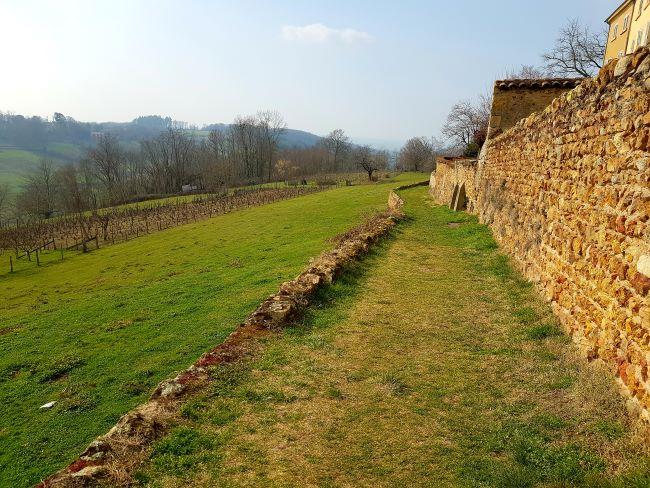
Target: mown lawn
{"x":431,"y":364}
{"x":97,"y":332}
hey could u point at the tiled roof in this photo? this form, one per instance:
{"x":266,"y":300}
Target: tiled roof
{"x":538,"y":84}
{"x":456,"y":159}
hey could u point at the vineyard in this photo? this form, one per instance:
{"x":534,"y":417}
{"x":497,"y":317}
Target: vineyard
{"x":97,"y":332}
{"x":124,"y":223}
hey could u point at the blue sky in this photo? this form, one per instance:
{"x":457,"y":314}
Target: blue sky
{"x":383,"y":70}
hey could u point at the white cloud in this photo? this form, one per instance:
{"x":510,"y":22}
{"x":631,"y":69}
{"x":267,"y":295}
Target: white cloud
{"x":319,"y":33}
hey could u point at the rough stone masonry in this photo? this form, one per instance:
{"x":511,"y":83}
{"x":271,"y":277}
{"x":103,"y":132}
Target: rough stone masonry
{"x":567,"y":194}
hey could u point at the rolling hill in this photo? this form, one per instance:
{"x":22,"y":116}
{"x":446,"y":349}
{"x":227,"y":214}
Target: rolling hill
{"x":21,"y":151}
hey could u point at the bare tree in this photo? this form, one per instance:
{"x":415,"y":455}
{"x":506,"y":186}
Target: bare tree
{"x":527,"y":72}
{"x":4,"y":200}
{"x":271,"y":126}
{"x":38,"y":196}
{"x":75,"y":198}
{"x":369,"y":160}
{"x":337,"y":144}
{"x":108,"y":162}
{"x":467,"y":124}
{"x":577,"y":51}
{"x":416,"y":155}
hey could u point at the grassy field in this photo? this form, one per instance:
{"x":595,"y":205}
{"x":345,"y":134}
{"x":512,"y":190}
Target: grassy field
{"x":16,"y":163}
{"x":98,"y":331}
{"x":432,"y":364}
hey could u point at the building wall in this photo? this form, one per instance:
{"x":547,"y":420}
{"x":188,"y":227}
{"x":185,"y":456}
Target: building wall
{"x":640,"y":28}
{"x":566,"y":193}
{"x":617,"y":44}
{"x":511,"y":105}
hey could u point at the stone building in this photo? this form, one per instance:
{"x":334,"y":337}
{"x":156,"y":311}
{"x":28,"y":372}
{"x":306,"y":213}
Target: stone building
{"x":514,"y":100}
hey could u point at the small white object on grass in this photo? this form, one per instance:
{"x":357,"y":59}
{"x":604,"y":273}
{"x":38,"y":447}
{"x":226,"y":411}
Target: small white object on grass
{"x":47,"y":406}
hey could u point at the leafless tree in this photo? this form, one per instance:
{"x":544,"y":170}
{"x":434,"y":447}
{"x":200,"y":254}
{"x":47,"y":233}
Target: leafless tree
{"x":38,"y":196}
{"x":578,"y":52}
{"x":170,"y":160}
{"x":108,"y":162}
{"x":75,"y":198}
{"x":271,"y":127}
{"x":369,"y":160}
{"x":4,"y":200}
{"x":416,"y":155}
{"x":337,"y":144}
{"x":467,"y":124}
{"x":526,"y":72}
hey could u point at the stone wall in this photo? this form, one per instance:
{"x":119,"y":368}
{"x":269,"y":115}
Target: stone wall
{"x":514,"y":100}
{"x":452,"y":175}
{"x":567,"y":195}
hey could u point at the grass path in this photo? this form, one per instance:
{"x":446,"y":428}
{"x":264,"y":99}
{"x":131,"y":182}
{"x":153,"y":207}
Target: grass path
{"x":434,"y":364}
{"x":98,"y":331}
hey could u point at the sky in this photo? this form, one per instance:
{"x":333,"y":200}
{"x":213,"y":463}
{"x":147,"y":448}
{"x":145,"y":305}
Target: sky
{"x":381,"y":70}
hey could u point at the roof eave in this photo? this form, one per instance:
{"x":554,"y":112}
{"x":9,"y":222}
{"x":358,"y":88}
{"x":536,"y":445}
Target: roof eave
{"x":618,"y":10}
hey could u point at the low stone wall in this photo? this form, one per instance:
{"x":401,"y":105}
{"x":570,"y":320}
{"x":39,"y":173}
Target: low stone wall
{"x":111,"y":458}
{"x":454,"y":177}
{"x":567,"y":195}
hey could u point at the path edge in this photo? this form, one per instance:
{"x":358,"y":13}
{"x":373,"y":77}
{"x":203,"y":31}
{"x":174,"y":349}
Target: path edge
{"x":117,"y":453}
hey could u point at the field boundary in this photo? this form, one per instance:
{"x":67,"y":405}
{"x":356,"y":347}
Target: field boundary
{"x":113,"y":456}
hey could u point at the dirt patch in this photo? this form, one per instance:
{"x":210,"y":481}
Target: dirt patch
{"x":8,"y":330}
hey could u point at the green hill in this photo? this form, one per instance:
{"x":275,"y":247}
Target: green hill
{"x":98,"y":331}
{"x":16,"y":162}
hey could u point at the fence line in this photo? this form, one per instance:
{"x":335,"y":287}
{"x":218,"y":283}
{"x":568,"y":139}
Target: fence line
{"x":119,"y":225}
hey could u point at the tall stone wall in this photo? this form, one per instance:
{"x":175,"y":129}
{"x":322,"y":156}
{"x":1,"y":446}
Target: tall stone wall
{"x":567,"y":195}
{"x":450,"y":175}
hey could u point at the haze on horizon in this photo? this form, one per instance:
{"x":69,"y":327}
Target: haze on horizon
{"x":383,"y":71}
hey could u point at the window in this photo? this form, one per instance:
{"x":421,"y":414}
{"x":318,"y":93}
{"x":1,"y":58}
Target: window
{"x":615,"y":32}
{"x":639,"y":38}
{"x":647,"y":33}
{"x":638,"y":12}
{"x":626,"y":22}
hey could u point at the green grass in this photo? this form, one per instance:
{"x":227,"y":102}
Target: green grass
{"x":16,"y":163}
{"x":176,"y":199}
{"x":432,"y":363}
{"x":98,"y":331}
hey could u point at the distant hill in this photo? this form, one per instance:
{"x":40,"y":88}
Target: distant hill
{"x":292,"y":138}
{"x":25,"y":141}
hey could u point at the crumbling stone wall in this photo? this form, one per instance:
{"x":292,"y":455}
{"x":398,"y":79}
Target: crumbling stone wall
{"x":567,"y":195}
{"x":450,"y":176}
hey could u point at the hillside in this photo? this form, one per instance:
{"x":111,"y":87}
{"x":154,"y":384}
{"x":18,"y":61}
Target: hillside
{"x":104,"y":328}
{"x":24,"y":142}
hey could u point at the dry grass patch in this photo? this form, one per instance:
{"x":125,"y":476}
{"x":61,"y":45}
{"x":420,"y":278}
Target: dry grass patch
{"x":457,"y":376}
